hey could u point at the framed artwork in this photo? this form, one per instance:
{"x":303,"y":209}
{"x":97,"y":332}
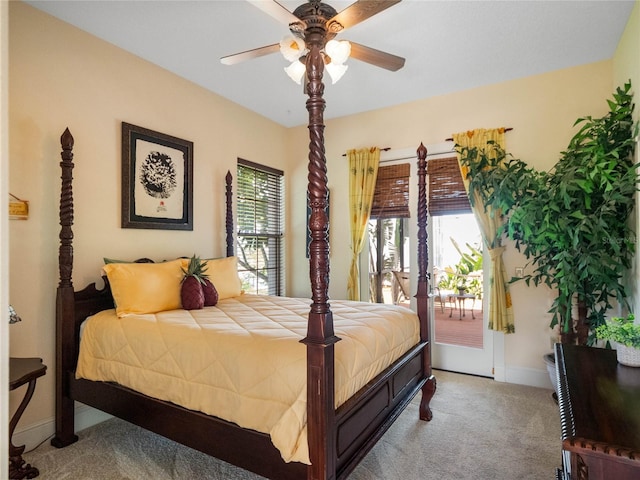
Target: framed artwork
{"x":157,"y":180}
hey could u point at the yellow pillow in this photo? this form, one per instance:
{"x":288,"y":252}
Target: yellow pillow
{"x":223,"y":273}
{"x":140,"y":288}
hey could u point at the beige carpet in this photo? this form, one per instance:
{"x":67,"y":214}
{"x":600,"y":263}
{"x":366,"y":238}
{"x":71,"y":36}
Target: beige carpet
{"x":481,"y":429}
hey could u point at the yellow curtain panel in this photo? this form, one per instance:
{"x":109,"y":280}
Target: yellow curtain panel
{"x":363,"y":173}
{"x":500,"y":306}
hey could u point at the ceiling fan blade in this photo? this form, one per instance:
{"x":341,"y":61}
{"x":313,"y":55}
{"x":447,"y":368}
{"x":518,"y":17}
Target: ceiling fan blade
{"x":250,"y":54}
{"x":360,"y":11}
{"x":376,"y":57}
{"x":275,"y":10}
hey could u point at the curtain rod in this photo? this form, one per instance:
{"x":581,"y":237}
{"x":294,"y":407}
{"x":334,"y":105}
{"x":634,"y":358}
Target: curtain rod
{"x":508,"y":129}
{"x":413,"y":157}
{"x":385,"y":149}
{"x":410,"y":156}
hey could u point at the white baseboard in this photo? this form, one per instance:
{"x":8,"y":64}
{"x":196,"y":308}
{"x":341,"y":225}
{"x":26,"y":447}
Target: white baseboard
{"x":499,"y":374}
{"x":532,"y":377}
{"x":34,"y":435}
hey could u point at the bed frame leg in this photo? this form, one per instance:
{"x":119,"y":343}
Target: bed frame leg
{"x":65,"y":304}
{"x":65,"y":425}
{"x":428,"y":390}
{"x":422,"y":295}
{"x":320,"y":339}
{"x":65,"y":406}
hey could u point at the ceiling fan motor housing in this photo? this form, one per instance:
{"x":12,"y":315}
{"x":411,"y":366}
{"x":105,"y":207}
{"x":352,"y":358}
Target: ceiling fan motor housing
{"x":315,"y":15}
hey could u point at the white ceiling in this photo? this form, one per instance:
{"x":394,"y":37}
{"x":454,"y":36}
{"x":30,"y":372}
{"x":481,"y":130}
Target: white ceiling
{"x":448,"y":46}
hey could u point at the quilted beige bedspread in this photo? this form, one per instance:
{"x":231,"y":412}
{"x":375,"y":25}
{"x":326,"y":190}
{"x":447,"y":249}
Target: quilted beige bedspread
{"x":242,"y":360}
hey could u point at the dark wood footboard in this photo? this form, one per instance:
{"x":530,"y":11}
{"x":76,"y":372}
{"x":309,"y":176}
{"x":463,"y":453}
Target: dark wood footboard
{"x":360,"y":422}
{"x":364,"y":418}
{"x":245,"y":448}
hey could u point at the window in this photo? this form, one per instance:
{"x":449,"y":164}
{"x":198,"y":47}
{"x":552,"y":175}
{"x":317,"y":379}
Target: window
{"x":260,"y":241}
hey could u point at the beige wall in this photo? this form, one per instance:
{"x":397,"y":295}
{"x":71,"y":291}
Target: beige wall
{"x":61,"y":77}
{"x":626,"y":61}
{"x":626,"y":66}
{"x":4,"y":229}
{"x":540,"y":109}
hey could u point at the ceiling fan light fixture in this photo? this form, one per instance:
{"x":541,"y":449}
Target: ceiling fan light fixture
{"x":335,"y":71}
{"x":339,"y":51}
{"x":292,"y":48}
{"x":296,"y":71}
{"x":335,"y":53}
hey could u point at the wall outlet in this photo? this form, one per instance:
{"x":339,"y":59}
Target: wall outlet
{"x":519,"y":272}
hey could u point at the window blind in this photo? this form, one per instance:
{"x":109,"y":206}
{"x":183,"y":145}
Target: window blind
{"x":391,"y":197}
{"x":447,"y":195}
{"x":260,"y":213}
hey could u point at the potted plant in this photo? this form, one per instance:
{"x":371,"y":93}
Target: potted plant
{"x":570,"y":222}
{"x":625,"y":334}
{"x":462,"y":286}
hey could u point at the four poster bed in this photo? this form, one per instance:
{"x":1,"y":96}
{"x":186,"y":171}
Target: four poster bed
{"x":338,"y":428}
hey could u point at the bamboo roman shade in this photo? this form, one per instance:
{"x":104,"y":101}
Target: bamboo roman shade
{"x":391,"y":197}
{"x":447,"y":195}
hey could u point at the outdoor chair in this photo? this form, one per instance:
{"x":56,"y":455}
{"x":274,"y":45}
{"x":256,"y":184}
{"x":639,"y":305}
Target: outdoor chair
{"x":403,"y":288}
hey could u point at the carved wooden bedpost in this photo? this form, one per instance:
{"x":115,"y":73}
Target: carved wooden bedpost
{"x":65,"y":332}
{"x":320,"y":337}
{"x":422,"y":296}
{"x":229,"y":216}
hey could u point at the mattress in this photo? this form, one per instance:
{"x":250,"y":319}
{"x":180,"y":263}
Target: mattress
{"x":242,"y":360}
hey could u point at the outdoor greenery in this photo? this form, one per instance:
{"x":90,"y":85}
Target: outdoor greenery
{"x":458,"y":277}
{"x":620,"y":330}
{"x":571,"y":222}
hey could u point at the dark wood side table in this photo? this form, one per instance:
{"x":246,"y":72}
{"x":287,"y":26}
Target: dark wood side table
{"x":21,"y":371}
{"x":599,"y":403}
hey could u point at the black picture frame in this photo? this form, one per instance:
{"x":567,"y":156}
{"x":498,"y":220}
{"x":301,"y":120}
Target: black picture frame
{"x":157,"y":180}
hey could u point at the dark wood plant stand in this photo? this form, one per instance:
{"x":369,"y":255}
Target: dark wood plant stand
{"x":21,"y":371}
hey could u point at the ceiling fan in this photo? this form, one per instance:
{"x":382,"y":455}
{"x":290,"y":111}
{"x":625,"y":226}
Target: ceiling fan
{"x":313,"y":18}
